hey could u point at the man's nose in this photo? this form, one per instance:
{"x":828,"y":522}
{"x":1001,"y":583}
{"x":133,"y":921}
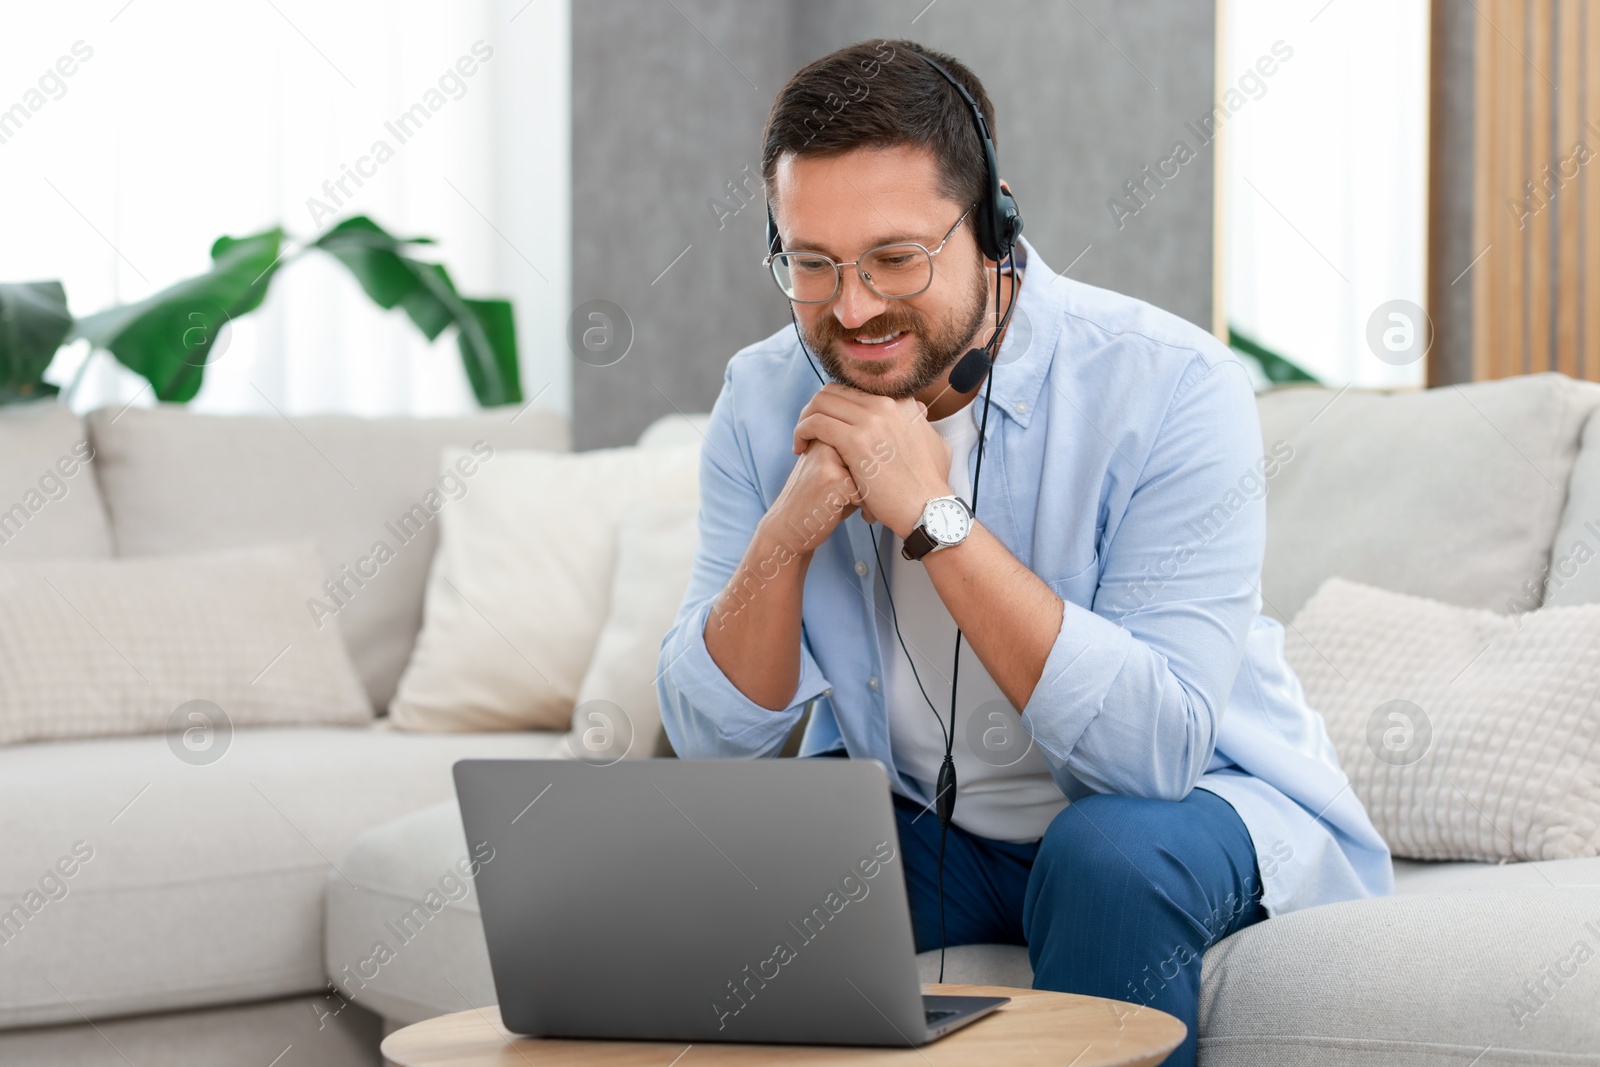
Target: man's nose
{"x":856,"y":304}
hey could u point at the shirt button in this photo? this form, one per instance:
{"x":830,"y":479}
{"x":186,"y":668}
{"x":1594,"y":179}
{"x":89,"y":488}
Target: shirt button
{"x":1022,"y":407}
{"x":872,"y":683}
{"x":861,"y":567}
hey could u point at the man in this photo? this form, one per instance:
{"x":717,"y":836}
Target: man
{"x":1109,"y":815}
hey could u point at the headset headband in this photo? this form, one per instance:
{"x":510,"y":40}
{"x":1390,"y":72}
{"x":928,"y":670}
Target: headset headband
{"x":998,"y":222}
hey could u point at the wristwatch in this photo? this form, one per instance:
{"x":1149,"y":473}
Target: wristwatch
{"x":946,"y":521}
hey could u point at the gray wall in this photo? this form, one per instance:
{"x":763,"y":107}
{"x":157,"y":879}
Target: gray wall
{"x":668,"y":108}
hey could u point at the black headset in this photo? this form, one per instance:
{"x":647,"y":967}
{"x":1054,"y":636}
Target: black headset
{"x":999,"y":221}
{"x":997,"y":225}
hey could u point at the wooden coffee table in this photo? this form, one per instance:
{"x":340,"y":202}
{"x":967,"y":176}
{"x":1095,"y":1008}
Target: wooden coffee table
{"x":1035,"y":1028}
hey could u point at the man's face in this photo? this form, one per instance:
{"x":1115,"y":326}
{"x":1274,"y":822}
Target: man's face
{"x":844,"y":205}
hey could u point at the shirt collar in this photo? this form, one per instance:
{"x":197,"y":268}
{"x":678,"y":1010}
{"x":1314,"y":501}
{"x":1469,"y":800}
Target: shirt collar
{"x":1031,"y":337}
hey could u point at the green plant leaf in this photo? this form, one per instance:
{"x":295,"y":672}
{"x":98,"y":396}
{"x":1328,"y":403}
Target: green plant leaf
{"x":486,"y":329}
{"x":168,"y":338}
{"x":373,"y":255}
{"x":486,"y":337}
{"x":34,"y":320}
{"x":492,"y":343}
{"x":1277,"y":368}
{"x":430,"y":304}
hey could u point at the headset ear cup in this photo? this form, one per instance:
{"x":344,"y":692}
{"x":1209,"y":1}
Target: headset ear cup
{"x":1008,"y":222}
{"x":998,"y":227}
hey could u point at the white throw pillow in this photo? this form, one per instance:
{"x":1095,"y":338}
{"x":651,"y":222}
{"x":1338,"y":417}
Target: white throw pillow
{"x":93,"y":648}
{"x":521,"y":585}
{"x":618,"y":713}
{"x":1468,"y":735}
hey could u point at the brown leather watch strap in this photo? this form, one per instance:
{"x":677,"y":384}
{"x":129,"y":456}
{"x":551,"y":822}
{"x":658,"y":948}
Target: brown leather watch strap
{"x":918,"y":544}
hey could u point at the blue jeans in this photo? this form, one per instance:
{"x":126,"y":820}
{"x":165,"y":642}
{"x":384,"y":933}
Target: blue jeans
{"x":1119,"y":899}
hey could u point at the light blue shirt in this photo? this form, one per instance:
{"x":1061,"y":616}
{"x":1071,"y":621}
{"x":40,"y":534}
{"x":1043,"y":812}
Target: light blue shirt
{"x":1124,"y":467}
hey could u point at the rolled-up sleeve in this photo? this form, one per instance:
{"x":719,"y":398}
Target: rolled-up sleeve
{"x":702,"y":711}
{"x":1133,"y":692}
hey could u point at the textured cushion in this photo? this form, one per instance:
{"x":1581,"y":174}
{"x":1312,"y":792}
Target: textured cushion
{"x":618,"y":712}
{"x":101,"y":647}
{"x":205,"y":883}
{"x":521,"y":582}
{"x":1467,"y":734}
{"x":1492,"y":978}
{"x":49,"y":500}
{"x":1450,"y":493}
{"x":175,"y":481}
{"x":1574,"y":576}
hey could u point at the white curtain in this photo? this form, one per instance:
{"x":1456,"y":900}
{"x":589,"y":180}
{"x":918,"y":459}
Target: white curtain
{"x":1325,"y":178}
{"x":189,"y":120}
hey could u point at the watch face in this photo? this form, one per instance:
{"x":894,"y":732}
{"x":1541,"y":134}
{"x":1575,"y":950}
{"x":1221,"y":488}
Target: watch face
{"x":946,"y":521}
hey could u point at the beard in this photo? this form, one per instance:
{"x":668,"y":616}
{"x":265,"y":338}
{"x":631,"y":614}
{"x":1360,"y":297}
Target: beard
{"x":934,"y":348}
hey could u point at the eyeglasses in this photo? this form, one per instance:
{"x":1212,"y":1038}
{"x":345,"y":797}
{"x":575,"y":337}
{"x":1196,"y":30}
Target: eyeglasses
{"x":895,"y":271}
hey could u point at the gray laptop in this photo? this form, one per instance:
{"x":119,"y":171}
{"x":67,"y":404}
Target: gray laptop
{"x":699,"y":900}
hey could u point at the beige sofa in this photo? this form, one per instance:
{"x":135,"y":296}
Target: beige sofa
{"x":195,"y":934}
{"x":215,"y":922}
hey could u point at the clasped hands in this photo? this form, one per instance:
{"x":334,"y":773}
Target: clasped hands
{"x":879,"y":453}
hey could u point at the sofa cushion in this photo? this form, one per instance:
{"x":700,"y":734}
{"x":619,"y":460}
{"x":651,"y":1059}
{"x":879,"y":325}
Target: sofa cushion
{"x":186,"y":644}
{"x":1003,"y":965}
{"x":1263,"y":1005}
{"x":1430,"y":876}
{"x":430,"y":968}
{"x":675,"y":429}
{"x":618,"y":712}
{"x":1489,"y":977}
{"x":1574,"y":576}
{"x":150,"y":884}
{"x":519,"y":590}
{"x":49,"y":501}
{"x":1450,"y":493}
{"x":323,"y":1032}
{"x":175,"y":481}
{"x":1467,"y":734}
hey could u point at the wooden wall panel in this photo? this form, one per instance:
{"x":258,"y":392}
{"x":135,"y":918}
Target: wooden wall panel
{"x":1540,"y":104}
{"x":1569,"y":79}
{"x":1589,"y":206}
{"x":1536,"y":196}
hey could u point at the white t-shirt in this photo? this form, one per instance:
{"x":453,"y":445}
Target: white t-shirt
{"x":1004,"y":790}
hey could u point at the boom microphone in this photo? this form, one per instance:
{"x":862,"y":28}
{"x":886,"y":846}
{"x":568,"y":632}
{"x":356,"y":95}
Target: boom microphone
{"x":969,"y":370}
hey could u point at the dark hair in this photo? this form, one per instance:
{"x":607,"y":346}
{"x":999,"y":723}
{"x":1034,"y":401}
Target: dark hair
{"x":874,"y":95}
